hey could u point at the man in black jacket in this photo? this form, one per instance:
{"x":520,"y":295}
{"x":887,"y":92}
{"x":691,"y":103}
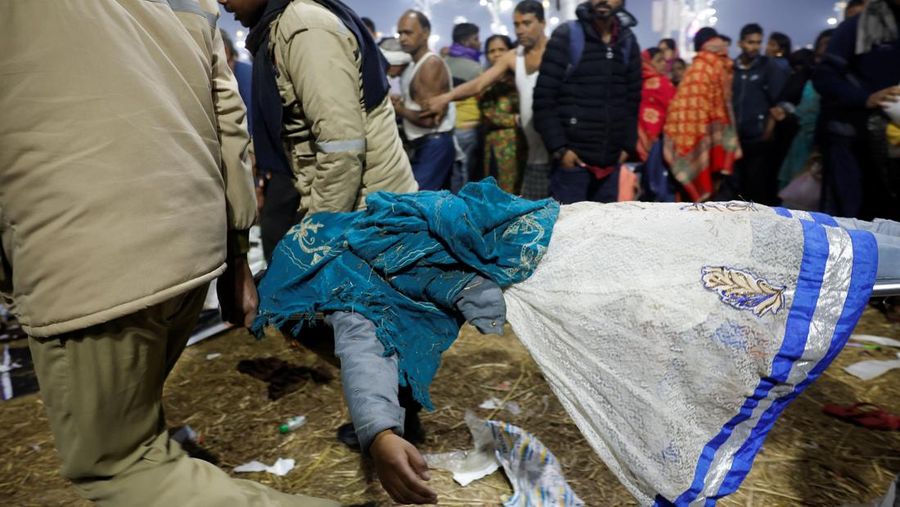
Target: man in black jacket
{"x":587,"y":110}
{"x":758,"y":83}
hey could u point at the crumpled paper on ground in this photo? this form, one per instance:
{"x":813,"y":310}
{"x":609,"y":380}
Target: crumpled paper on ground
{"x":868,"y":370}
{"x":469,"y":466}
{"x":280,"y":468}
{"x":495,"y":403}
{"x":532,"y":469}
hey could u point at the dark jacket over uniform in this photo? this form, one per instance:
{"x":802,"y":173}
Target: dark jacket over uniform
{"x":595,"y":111}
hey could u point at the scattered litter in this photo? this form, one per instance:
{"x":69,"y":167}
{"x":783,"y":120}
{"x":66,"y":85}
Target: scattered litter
{"x":495,"y":404}
{"x":469,"y":466}
{"x":868,"y":370}
{"x":292,"y":424}
{"x":214,"y":355}
{"x":280,"y":468}
{"x":880,"y":340}
{"x":35,"y":447}
{"x":491,"y":404}
{"x":867,"y":346}
{"x":533,"y":471}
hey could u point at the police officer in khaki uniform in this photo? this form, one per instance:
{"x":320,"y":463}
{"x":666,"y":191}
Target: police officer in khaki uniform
{"x":342,"y":143}
{"x":124,"y":190}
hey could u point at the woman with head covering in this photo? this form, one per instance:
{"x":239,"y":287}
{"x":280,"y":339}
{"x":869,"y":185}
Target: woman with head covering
{"x":701,"y":142}
{"x":503,"y":148}
{"x":657,"y":93}
{"x":669,"y":50}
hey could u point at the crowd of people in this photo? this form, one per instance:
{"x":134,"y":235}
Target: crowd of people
{"x":772,"y":126}
{"x":560,"y":116}
{"x":147,"y":176}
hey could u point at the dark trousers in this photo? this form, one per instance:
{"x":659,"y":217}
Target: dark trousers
{"x":569,"y":186}
{"x":432,"y":161}
{"x":843,"y":182}
{"x":883,"y":192}
{"x":279,"y":211}
{"x":755,"y":178}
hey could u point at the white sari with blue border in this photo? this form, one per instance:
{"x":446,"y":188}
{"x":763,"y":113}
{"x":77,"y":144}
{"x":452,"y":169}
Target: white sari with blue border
{"x":675,"y":335}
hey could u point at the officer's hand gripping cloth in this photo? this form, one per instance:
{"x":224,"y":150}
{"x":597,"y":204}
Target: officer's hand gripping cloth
{"x":402,"y":263}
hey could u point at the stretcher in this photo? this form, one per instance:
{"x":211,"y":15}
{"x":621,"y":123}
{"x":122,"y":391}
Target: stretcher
{"x":890,"y":288}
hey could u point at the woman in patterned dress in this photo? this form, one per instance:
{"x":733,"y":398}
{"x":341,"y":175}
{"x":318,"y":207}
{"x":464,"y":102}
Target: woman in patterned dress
{"x":499,"y":108}
{"x":701,"y":142}
{"x":656,"y":95}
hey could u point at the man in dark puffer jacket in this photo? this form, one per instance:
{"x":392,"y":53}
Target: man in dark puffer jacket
{"x":587,"y":111}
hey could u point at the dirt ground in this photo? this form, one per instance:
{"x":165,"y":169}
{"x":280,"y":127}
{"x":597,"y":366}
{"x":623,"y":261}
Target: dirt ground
{"x":809,"y":458}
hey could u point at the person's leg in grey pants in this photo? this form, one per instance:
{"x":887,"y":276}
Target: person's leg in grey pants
{"x":887,"y":235}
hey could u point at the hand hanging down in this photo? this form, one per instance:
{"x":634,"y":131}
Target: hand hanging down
{"x":401,"y":469}
{"x":238,"y":298}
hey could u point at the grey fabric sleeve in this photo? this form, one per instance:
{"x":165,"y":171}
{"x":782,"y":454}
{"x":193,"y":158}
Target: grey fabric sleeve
{"x":887,"y":235}
{"x":481,"y":303}
{"x":370,"y":380}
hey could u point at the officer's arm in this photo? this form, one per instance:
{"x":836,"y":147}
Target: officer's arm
{"x":325,"y":76}
{"x":235,"y":145}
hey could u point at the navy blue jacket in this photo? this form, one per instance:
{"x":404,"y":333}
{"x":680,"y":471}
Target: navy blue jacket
{"x":593,"y":112}
{"x":756,"y":90}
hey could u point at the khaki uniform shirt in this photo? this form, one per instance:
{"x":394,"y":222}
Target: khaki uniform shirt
{"x":339,"y":153}
{"x":123,"y":161}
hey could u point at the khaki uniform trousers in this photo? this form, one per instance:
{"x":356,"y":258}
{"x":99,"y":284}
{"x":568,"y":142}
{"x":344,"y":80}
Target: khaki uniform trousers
{"x":102,"y":389}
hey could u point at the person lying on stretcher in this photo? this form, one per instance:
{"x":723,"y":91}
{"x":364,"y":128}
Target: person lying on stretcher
{"x":370,"y":375}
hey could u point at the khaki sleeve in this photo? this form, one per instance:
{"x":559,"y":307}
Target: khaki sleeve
{"x":326,"y":79}
{"x":234,"y":140}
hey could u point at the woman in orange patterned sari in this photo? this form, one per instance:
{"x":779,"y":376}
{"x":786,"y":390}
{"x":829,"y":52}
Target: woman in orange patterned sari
{"x":701,"y":143}
{"x":656,"y":95}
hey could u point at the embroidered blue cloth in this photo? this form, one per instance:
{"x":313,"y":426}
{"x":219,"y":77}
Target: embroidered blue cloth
{"x":402,"y":262}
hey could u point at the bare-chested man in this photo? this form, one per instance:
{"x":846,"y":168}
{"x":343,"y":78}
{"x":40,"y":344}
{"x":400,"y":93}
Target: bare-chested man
{"x":528,"y":19}
{"x":424,"y":79}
